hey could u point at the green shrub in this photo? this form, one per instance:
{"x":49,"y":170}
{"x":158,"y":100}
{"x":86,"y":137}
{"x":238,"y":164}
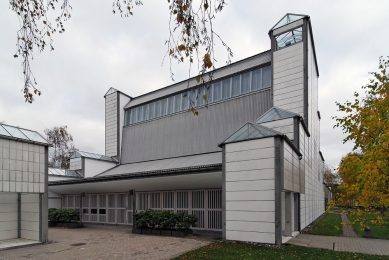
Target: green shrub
{"x":163,"y":219}
{"x":64,"y":215}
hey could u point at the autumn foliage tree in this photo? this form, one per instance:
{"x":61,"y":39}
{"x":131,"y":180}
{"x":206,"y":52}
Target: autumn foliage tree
{"x":191,"y":34}
{"x":365,"y":172}
{"x":62,"y":148}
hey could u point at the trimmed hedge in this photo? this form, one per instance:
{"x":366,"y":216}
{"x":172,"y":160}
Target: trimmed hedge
{"x":163,"y":219}
{"x":64,"y":215}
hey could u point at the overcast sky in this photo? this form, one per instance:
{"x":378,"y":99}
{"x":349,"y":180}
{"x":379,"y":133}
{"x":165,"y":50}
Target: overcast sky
{"x":100,"y":50}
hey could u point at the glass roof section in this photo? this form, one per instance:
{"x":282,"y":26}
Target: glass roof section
{"x":275,"y":114}
{"x":33,"y":136}
{"x":110,"y":91}
{"x":24,"y":134}
{"x":289,"y":38}
{"x":3,"y":131}
{"x":250,"y":131}
{"x":64,"y":172}
{"x":79,"y":154}
{"x":287,"y":19}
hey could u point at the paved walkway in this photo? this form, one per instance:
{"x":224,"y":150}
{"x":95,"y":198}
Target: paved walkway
{"x":347,"y":244}
{"x":348,"y":230}
{"x":105,"y":242}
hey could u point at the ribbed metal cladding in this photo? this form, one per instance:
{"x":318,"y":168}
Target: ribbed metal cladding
{"x":184,"y":134}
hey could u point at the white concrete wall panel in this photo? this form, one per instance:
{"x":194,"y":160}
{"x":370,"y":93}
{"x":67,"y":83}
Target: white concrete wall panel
{"x":312,"y":202}
{"x":111,"y":124}
{"x":30,"y":216}
{"x":288,"y":78}
{"x":75,"y":164}
{"x":250,"y":194}
{"x":22,"y":167}
{"x":94,"y":167}
{"x":291,"y":169}
{"x":8,"y":215}
{"x":123,"y":101}
{"x":285,"y":126}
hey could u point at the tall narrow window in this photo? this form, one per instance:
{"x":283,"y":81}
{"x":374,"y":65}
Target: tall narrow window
{"x":245,"y":83}
{"x":192,"y":97}
{"x":185,"y":101}
{"x":226,"y":92}
{"x":170,"y":105}
{"x":163,"y":106}
{"x":200,"y":97}
{"x":177,"y":103}
{"x":217,"y":89}
{"x":146,"y":112}
{"x":157,"y":108}
{"x":266,"y":77}
{"x":151,"y":110}
{"x":236,"y":86}
{"x":209,"y":93}
{"x":256,"y":79}
{"x":140,"y":113}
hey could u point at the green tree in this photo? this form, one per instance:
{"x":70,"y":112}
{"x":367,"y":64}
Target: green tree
{"x":366,"y":124}
{"x":191,"y":35}
{"x":62,"y":148}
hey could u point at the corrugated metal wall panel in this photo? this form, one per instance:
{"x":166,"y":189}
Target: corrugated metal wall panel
{"x":248,"y":63}
{"x":184,"y":134}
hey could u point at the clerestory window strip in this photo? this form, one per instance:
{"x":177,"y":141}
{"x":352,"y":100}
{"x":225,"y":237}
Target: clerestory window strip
{"x":226,"y":88}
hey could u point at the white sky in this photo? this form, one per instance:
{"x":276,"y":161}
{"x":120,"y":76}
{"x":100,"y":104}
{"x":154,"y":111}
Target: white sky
{"x":100,"y":50}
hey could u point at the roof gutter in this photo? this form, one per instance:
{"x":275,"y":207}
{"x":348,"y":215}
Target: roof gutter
{"x":139,"y":175}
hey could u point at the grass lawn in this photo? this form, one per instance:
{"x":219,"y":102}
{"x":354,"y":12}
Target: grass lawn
{"x":376,"y":231}
{"x":229,"y":250}
{"x":329,"y":225}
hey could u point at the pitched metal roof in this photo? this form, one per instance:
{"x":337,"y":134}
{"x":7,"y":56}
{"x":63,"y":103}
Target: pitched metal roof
{"x":193,"y":161}
{"x":174,"y":166}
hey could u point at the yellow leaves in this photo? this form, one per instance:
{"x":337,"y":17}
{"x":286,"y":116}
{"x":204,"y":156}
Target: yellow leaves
{"x":48,"y":33}
{"x":198,"y":78}
{"x":180,"y":18}
{"x":207,"y":61}
{"x":171,"y":52}
{"x":205,"y":96}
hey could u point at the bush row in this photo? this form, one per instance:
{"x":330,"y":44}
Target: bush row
{"x":64,"y":215}
{"x":163,"y":219}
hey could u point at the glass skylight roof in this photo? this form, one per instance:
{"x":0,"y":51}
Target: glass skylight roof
{"x":250,"y":131}
{"x":110,"y":91}
{"x":287,"y":19}
{"x":79,"y":154}
{"x":289,"y":38}
{"x":24,"y":134}
{"x":64,"y":172}
{"x":275,"y":114}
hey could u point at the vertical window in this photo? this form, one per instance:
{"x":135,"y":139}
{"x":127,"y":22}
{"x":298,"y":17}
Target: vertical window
{"x":226,"y":93}
{"x":177,"y":103}
{"x":146,"y":112}
{"x":151,"y":110}
{"x":217,"y":89}
{"x":128,"y":117}
{"x":209,"y":93}
{"x":200,"y":97}
{"x":135,"y":110}
{"x":170,"y":105}
{"x":236,"y":86}
{"x":256,"y":79}
{"x":163,"y":106}
{"x":157,"y":108}
{"x":140,"y":113}
{"x":266,"y":77}
{"x":185,"y":101}
{"x":192,"y":97}
{"x":245,"y":83}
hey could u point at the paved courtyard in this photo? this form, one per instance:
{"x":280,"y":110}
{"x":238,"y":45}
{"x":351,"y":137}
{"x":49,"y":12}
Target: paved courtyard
{"x":105,"y":242}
